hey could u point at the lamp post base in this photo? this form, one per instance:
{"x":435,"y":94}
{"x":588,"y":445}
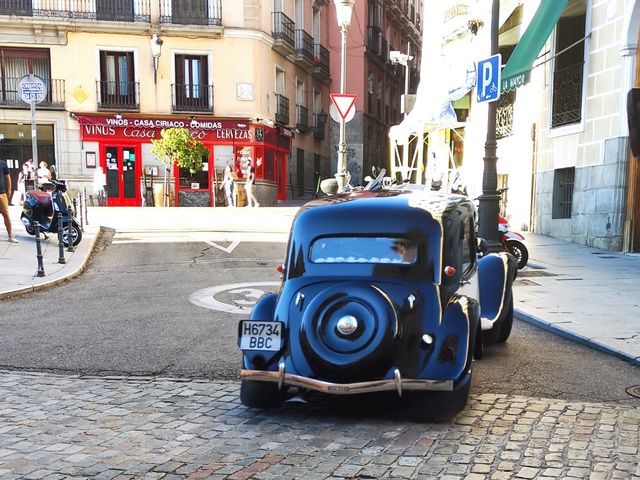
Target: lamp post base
{"x":343,"y":179}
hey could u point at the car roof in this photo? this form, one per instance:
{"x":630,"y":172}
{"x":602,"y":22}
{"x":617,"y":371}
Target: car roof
{"x":400,"y":208}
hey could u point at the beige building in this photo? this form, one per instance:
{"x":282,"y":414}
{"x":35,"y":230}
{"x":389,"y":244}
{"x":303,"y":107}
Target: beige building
{"x":249,"y":78}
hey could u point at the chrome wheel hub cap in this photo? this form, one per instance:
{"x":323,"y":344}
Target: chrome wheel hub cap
{"x":347,"y":325}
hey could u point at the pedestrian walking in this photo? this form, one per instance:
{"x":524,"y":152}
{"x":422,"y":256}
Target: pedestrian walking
{"x":5,"y":188}
{"x":227,"y":185}
{"x":250,"y":176}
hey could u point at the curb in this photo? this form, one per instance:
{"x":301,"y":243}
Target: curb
{"x":59,"y":280}
{"x":574,"y":337}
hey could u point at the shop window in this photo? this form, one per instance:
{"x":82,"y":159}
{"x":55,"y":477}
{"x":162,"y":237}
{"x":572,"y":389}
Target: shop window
{"x":195,"y":181}
{"x":568,"y":71}
{"x":116,"y":86}
{"x":562,"y":202}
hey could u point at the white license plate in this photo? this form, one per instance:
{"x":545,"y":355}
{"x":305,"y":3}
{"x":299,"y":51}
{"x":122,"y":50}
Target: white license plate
{"x":260,"y":335}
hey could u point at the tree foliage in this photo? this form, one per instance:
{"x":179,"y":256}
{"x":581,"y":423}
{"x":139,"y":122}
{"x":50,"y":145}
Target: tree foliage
{"x":178,"y":146}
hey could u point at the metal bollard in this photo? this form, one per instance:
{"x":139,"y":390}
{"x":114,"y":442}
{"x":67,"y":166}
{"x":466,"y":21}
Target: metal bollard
{"x":39,"y":251}
{"x":84,"y":200}
{"x":70,"y":247}
{"x":77,"y":202}
{"x":60,"y":242}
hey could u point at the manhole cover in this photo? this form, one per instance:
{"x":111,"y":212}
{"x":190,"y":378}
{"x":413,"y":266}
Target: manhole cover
{"x":634,"y":391}
{"x":535,"y":273}
{"x":607,"y":256}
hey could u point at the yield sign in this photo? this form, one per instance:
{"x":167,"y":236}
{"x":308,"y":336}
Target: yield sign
{"x":343,"y":102}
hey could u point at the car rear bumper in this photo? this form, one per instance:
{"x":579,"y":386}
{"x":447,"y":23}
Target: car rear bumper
{"x":397,"y":383}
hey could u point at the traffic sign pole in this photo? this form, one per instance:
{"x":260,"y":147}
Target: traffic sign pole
{"x":32,"y":90}
{"x":34,"y":140}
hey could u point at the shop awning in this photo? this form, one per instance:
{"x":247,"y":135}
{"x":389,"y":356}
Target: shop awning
{"x":518,"y":68}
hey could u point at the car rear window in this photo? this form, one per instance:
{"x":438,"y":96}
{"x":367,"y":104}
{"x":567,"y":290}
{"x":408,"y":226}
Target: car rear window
{"x":385,"y":250}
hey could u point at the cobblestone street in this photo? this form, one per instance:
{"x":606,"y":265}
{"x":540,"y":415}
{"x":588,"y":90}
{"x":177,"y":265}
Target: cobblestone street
{"x":54,"y":426}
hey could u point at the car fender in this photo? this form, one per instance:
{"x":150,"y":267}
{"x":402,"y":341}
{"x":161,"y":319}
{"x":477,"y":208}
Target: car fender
{"x":496,"y":272}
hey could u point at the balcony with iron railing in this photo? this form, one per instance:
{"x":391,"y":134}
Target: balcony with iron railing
{"x":191,"y":98}
{"x":284,"y":33}
{"x":282,"y":109}
{"x":191,"y":12}
{"x":117,"y":95}
{"x":302,"y":119}
{"x":102,"y":10}
{"x":319,"y":122}
{"x":321,"y":61}
{"x":304,"y":48}
{"x":373,"y":39}
{"x":384,"y":50}
{"x":10,"y":96}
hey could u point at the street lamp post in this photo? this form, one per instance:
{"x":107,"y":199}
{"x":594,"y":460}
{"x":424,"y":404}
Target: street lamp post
{"x":344,"y":9}
{"x":156,"y":51}
{"x":489,"y":201}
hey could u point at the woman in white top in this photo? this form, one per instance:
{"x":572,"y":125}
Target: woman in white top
{"x":44,"y":174}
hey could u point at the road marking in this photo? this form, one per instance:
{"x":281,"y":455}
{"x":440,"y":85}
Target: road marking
{"x":227,"y":249}
{"x":248,"y":294}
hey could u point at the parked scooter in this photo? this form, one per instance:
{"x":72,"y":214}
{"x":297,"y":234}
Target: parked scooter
{"x":512,"y":242}
{"x":43,"y":207}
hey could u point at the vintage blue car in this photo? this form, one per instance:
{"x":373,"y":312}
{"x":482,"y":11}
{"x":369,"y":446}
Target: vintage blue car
{"x":382,"y":291}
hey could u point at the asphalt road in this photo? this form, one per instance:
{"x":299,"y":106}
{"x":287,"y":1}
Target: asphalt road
{"x":138,"y":310}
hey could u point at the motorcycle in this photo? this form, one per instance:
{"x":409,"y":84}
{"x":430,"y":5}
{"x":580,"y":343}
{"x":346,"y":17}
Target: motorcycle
{"x":43,"y":207}
{"x":512,"y":242}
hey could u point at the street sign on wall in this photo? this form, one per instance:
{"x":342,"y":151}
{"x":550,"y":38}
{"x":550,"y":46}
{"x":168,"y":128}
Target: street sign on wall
{"x":32,"y":88}
{"x":488,"y":84}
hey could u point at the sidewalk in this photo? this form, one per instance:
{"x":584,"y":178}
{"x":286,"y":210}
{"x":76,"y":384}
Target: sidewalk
{"x":581,"y":293}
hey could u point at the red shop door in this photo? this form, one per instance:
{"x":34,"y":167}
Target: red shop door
{"x":122,"y":166}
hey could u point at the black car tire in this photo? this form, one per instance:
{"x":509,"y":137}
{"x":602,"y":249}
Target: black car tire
{"x":478,"y":345}
{"x":438,"y":406}
{"x":518,"y":250}
{"x":507,"y":323}
{"x":261,"y":395}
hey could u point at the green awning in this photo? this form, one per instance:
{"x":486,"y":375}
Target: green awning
{"x":516,"y":72}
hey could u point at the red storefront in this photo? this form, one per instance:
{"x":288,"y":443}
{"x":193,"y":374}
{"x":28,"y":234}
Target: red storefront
{"x":229,"y":142}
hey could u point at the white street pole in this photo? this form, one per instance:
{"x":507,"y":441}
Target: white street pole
{"x":34,"y":131}
{"x":341,"y":174}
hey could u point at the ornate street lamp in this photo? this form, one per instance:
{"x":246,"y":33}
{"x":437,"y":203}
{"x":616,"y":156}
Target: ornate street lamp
{"x":344,"y":9}
{"x":156,"y":51}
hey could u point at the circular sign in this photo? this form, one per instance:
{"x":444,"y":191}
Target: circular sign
{"x":335,"y":115}
{"x":32,"y":89}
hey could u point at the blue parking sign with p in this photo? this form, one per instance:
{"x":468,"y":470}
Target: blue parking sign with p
{"x":488,"y":84}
